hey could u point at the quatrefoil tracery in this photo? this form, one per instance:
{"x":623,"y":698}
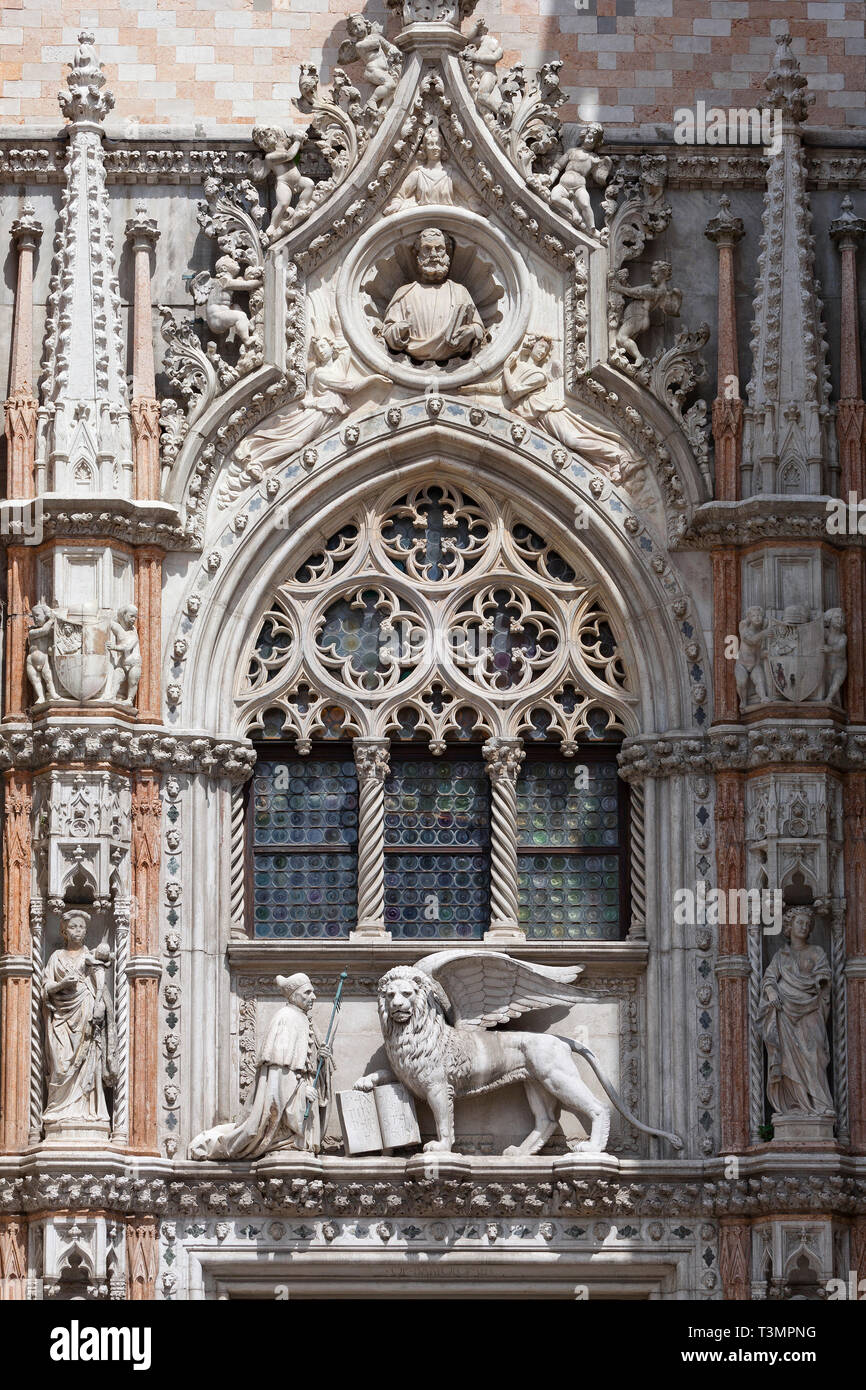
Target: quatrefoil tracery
{"x":435,"y":614}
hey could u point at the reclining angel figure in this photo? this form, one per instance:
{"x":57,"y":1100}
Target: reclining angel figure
{"x":437,"y":1019}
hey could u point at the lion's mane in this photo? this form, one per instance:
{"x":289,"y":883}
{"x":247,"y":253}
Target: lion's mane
{"x":416,"y":1050}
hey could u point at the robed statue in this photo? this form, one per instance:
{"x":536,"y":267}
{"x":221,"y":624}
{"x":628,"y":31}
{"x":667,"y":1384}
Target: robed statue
{"x":80,"y":1039}
{"x":292,"y":1096}
{"x":433,"y":318}
{"x":792,"y":1015}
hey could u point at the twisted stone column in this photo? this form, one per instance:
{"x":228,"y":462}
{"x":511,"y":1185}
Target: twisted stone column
{"x":15,"y":964}
{"x":120,"y":1111}
{"x":237,"y":868}
{"x":503,"y":758}
{"x":37,"y":956}
{"x":637,"y":865}
{"x":371,"y":760}
{"x":143,"y":970}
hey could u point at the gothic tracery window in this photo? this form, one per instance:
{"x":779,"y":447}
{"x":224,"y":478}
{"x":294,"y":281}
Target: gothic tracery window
{"x":436,"y":625}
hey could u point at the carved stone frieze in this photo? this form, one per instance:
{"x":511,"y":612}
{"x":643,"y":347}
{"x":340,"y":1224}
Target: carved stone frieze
{"x":101,"y":741}
{"x":741,"y":523}
{"x":734,"y":747}
{"x":565,"y":1186}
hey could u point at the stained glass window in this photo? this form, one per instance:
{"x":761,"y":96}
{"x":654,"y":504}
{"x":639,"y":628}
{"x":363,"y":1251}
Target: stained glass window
{"x":437,"y":839}
{"x":571,"y":845}
{"x":303,"y":824}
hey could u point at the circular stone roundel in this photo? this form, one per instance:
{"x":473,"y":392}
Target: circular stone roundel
{"x":379,"y":288}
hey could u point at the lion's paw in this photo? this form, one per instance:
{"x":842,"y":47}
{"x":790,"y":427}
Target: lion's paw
{"x":437,"y":1146}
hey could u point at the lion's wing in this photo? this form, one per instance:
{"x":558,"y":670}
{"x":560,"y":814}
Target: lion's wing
{"x":489,"y":987}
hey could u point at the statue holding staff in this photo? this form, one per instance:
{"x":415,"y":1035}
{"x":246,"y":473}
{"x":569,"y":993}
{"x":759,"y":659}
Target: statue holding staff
{"x":292,"y":1096}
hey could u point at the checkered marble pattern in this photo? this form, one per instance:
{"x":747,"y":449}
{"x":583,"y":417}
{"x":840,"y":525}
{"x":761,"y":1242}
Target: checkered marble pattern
{"x":628,"y":63}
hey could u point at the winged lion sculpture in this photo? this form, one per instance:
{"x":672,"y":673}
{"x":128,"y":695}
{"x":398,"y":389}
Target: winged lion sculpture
{"x":437,"y":1017}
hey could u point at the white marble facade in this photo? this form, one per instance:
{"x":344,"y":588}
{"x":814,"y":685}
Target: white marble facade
{"x":403,"y":292}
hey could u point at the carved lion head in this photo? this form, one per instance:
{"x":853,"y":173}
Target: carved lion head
{"x":407,"y":996}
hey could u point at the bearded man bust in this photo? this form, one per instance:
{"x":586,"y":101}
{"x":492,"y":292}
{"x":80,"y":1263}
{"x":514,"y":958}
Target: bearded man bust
{"x":433,"y":318}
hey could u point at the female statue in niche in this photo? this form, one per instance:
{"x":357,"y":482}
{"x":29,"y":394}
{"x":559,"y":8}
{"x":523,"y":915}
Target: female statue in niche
{"x":80,"y":1038}
{"x":429,"y":182}
{"x":792,"y":1016}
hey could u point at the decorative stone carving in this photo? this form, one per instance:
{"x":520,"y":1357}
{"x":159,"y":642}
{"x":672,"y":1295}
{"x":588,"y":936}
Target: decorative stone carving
{"x":292,"y":189}
{"x":572,"y":172}
{"x":125,"y":654}
{"x":214,"y":294}
{"x":553,"y":636}
{"x":433,"y":318}
{"x":82,"y":655}
{"x":634,"y":208}
{"x":795,"y":657}
{"x":657,"y":294}
{"x":84,"y":443}
{"x":481,"y":54}
{"x":333,"y":384}
{"x":788,"y":445}
{"x":793,"y":1010}
{"x":383,"y":62}
{"x":527,"y":380}
{"x":429,"y":182}
{"x":450,"y":320}
{"x":80,"y":1040}
{"x":291,"y":1089}
{"x":435,"y":1016}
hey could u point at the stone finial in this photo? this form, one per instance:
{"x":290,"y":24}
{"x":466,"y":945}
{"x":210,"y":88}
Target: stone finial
{"x":85,"y":102}
{"x":847,"y":228}
{"x":27,"y":229}
{"x":142,"y":230}
{"x":786,"y":83}
{"x":724,"y":229}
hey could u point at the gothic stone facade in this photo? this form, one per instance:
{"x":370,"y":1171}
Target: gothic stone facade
{"x":431,"y":582}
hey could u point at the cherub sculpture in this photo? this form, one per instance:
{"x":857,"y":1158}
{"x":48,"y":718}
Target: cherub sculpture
{"x":749,"y":668}
{"x":383,"y":60}
{"x":40,"y":640}
{"x":835,"y":652}
{"x":436,"y":1018}
{"x":658,"y":294}
{"x":571,"y":173}
{"x":280,"y":151}
{"x":125,"y":651}
{"x":482,"y":52}
{"x":214,"y":296}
